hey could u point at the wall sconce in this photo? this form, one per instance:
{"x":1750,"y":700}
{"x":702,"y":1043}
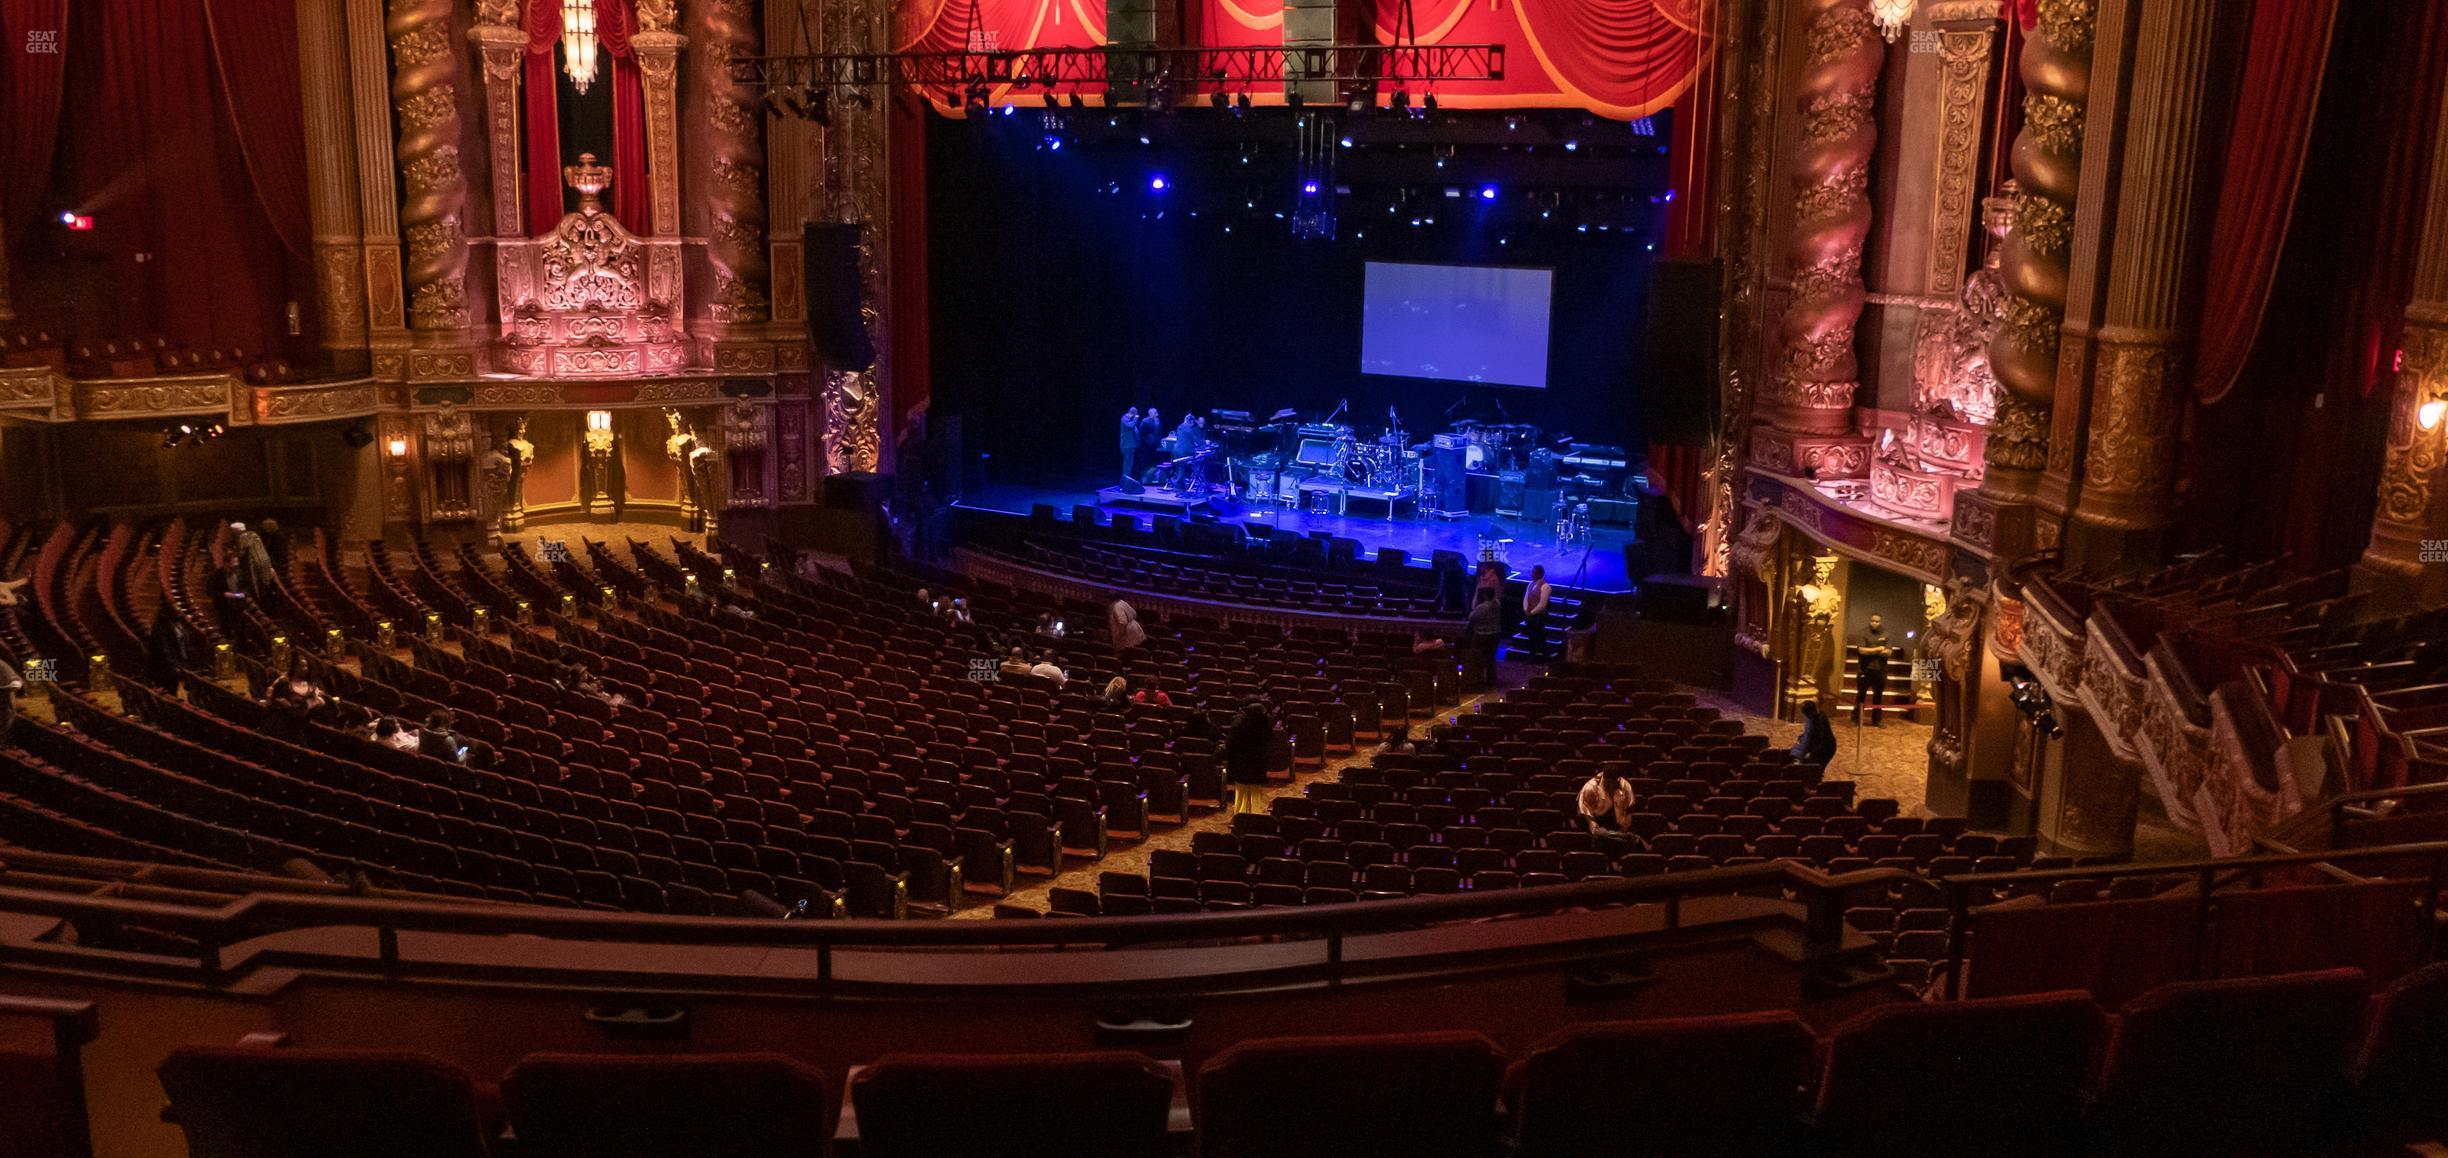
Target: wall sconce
{"x":398,"y":447}
{"x":599,"y":420}
{"x":2428,"y":414}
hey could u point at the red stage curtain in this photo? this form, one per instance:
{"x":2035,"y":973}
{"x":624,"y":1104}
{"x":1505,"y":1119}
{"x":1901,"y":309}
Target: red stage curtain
{"x":632,"y":200}
{"x":1624,"y":58}
{"x":2275,"y":101}
{"x":1676,"y":474}
{"x":909,"y":341}
{"x":157,"y":166}
{"x":262,"y":98}
{"x":30,"y":98}
{"x":1691,"y":215}
{"x":543,"y":143}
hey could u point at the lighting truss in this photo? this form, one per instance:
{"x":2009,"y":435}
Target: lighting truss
{"x":1056,"y":68}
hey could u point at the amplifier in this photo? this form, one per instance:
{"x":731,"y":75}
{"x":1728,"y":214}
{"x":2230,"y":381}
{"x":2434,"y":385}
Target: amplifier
{"x":1509,"y":487}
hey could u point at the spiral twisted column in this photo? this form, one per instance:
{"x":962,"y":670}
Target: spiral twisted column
{"x":735,"y":189}
{"x":2048,"y":167}
{"x":1816,"y":371}
{"x":2407,"y":561}
{"x":425,"y":96}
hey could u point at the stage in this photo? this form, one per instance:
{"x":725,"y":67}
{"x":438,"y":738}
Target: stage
{"x":1595,"y":564}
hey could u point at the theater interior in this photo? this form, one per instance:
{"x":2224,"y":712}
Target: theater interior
{"x":1851,"y":578}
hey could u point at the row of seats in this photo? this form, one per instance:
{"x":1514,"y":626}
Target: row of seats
{"x":2298,"y":1065}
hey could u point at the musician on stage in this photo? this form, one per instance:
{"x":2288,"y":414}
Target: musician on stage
{"x":1130,"y":444}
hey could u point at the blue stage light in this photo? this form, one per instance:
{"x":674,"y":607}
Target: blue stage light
{"x":1309,"y":187}
{"x":1487,"y":192}
{"x":1158,"y":183}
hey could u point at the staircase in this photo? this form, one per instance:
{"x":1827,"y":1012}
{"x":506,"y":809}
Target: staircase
{"x":1902,"y":699}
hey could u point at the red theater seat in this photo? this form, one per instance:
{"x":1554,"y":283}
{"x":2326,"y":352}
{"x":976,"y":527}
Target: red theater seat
{"x":1424,"y":1095}
{"x":1908,"y":1080}
{"x":243,"y":1102}
{"x":1678,"y":1088}
{"x":1086,"y":1105}
{"x":2400,"y":1096}
{"x":2235,"y":1068}
{"x":566,"y":1105}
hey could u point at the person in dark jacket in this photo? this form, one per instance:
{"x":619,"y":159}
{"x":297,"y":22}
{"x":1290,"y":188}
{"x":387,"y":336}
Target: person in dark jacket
{"x":439,"y":740}
{"x":169,"y":650}
{"x":1817,"y":744}
{"x":1247,"y":749}
{"x":1486,"y":632}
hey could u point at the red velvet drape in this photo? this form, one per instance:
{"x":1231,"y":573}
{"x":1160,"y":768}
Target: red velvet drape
{"x":30,"y":91}
{"x":910,"y":371}
{"x":1620,"y":56}
{"x":632,"y":201}
{"x":544,"y":203}
{"x":259,"y":88}
{"x":182,"y":243}
{"x":2271,"y":129}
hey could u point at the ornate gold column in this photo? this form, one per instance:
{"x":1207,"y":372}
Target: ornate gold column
{"x":1965,"y":28}
{"x":425,"y":91}
{"x":1749,"y":33}
{"x":2396,"y":568}
{"x":735,"y":188}
{"x":790,"y":180}
{"x":331,"y":182}
{"x":2047,"y":164}
{"x":502,"y":44}
{"x":1813,"y":384}
{"x":2129,"y":460}
{"x":856,"y":189}
{"x":658,"y":54}
{"x":369,"y":66}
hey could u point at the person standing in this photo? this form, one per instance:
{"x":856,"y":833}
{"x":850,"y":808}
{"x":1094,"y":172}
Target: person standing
{"x":1123,"y":622}
{"x":1247,"y":750}
{"x":1130,"y":445}
{"x":1817,"y":744}
{"x":254,"y":560}
{"x":1873,"y":653}
{"x":1534,"y":612}
{"x":1486,"y":625}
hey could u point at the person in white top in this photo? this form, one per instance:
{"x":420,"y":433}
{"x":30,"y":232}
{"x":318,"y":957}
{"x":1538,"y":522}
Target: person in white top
{"x":1047,"y":669}
{"x":1606,"y":803}
{"x":1534,"y":612}
{"x":1123,"y":621}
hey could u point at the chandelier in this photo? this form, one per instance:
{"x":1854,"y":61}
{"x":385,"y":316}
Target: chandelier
{"x":578,"y":42}
{"x":1890,"y":14}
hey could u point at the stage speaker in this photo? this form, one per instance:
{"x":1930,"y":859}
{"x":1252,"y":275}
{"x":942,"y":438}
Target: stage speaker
{"x":1680,"y":387}
{"x":856,"y":491}
{"x":830,"y":277}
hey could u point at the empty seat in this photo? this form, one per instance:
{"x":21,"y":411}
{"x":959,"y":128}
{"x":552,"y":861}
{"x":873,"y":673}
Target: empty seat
{"x":747,"y":1105}
{"x":2001,"y":1076}
{"x":2243,"y":1066}
{"x":2399,"y":1097}
{"x":1425,"y":1095}
{"x":240,"y":1102}
{"x":1084,"y":1105}
{"x":1676,"y":1088}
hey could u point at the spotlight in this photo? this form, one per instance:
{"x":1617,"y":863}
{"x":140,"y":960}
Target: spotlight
{"x":1053,"y":144}
{"x":1158,"y":183}
{"x":1010,"y":109}
{"x":2429,"y":414}
{"x":1572,"y":146}
{"x":1311,"y":187}
{"x":1512,"y":124}
{"x":76,"y":222}
{"x":1487,"y":192}
{"x":1143,"y":138}
{"x":1345,"y":142}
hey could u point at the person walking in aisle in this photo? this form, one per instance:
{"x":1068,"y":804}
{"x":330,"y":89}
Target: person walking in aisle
{"x":1486,"y":626}
{"x":1247,"y":750}
{"x":1817,"y":744}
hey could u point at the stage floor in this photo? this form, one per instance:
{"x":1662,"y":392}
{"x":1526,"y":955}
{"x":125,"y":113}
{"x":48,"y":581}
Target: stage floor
{"x":1596,"y":564}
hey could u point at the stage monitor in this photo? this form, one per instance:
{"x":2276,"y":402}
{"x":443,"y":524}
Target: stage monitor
{"x":1466,"y":323}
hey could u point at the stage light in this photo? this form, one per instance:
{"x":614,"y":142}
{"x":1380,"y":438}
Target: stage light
{"x":1010,"y":109}
{"x":1346,"y":142}
{"x":1453,"y":191}
{"x":1670,"y":195}
{"x":1053,"y":143}
{"x":1143,"y":138}
{"x":1309,"y":187}
{"x":67,"y":218}
{"x":1512,"y":124}
{"x":2430,"y":413}
{"x":76,"y":222}
{"x":1581,"y":228}
{"x":1158,"y":183}
{"x":1571,"y":146}
{"x":1487,"y":192}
